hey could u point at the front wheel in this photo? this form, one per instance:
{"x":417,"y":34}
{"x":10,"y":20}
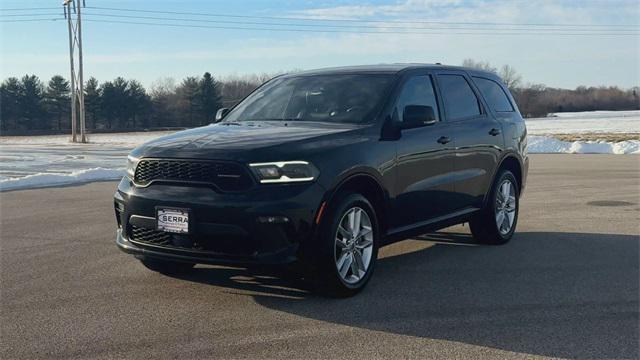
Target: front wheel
{"x":347,"y":247}
{"x":496,"y":222}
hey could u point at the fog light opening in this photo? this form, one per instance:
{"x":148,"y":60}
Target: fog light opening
{"x":119,"y":210}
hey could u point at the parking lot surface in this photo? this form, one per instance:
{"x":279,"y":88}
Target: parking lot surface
{"x":565,"y":286}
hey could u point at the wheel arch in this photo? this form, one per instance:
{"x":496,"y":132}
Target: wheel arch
{"x":511,"y":163}
{"x":368,"y":185}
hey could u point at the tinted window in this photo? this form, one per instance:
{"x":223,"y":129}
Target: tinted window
{"x":418,"y":90}
{"x":494,"y":94}
{"x":327,"y":98}
{"x":459,"y":99}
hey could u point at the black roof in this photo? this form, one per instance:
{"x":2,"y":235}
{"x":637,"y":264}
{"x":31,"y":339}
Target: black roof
{"x":385,"y":68}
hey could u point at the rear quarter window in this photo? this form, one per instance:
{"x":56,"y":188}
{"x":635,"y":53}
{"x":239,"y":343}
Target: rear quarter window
{"x":494,"y":94}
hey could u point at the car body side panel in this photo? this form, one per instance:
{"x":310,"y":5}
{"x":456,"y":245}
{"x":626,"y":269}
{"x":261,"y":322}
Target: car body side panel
{"x":477,"y":151}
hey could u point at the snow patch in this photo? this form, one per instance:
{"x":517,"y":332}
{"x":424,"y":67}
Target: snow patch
{"x":56,"y":179}
{"x":618,"y":122}
{"x":544,"y":144}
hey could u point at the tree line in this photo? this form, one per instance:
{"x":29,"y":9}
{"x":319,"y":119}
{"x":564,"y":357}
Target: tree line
{"x":29,"y":104}
{"x":538,"y":100}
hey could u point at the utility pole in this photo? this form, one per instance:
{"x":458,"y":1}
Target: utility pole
{"x":77,"y":81}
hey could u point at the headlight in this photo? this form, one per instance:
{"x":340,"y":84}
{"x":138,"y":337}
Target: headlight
{"x":284,"y":171}
{"x":132,"y":162}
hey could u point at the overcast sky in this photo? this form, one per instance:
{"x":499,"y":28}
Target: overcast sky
{"x":546,"y":53}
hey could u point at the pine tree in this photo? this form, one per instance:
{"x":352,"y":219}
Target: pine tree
{"x":138,"y":101}
{"x":190,"y":99}
{"x":30,"y":103}
{"x":114,"y":102}
{"x":9,"y":93}
{"x":92,"y":98}
{"x":210,"y":98}
{"x":57,"y":99}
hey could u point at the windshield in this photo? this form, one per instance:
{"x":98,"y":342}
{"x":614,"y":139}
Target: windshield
{"x":328,"y":98}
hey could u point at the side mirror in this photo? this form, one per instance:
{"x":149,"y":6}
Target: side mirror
{"x":221,"y":113}
{"x":415,"y":116}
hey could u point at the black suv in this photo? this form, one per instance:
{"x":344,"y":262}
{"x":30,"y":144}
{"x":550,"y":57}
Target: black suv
{"x":323,"y":167}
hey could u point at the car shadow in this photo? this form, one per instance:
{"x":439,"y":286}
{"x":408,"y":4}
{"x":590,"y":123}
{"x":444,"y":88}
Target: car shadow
{"x":544,"y":293}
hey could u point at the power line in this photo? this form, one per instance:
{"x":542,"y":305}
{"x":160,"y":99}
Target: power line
{"x":31,"y":9}
{"x":289,"y":18}
{"x":30,"y":20}
{"x":354,"y":20}
{"x":429,"y":31}
{"x":19,"y":15}
{"x":339,"y":26}
{"x":345,"y":26}
{"x":493,"y":32}
{"x":314,"y":21}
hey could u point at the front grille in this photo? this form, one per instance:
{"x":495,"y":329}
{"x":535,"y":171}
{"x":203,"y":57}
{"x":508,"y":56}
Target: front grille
{"x":225,"y":176}
{"x":150,"y":236}
{"x":231,"y":245}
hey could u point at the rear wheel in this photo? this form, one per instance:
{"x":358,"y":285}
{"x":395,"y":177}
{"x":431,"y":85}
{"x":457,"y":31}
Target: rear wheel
{"x":496,"y":223}
{"x":348,"y":247}
{"x":167,"y":267}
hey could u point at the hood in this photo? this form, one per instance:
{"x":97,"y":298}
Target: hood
{"x":240,"y":141}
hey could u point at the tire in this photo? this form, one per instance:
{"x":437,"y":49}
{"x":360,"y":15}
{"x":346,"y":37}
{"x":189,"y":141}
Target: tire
{"x":167,"y":267}
{"x":484,"y":225}
{"x":343,"y":264}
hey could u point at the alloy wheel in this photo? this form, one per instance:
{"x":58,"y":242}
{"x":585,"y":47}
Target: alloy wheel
{"x":505,"y":208}
{"x":353,"y":245}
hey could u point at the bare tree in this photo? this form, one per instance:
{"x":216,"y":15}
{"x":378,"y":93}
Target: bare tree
{"x":482,"y":65}
{"x":510,"y":77}
{"x":163,"y":86}
{"x":165,"y":102}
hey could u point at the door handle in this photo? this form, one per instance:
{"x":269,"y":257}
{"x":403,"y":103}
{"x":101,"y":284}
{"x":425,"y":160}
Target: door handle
{"x":494,"y":132}
{"x":444,"y":139}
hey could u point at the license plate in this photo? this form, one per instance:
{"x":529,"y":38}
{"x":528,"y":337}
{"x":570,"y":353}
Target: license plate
{"x":173,"y":220}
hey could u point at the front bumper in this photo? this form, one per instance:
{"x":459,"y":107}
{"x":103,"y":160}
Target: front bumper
{"x":224,"y":228}
{"x":285,"y":256}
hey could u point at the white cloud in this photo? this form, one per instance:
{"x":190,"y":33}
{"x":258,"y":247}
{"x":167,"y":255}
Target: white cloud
{"x":360,"y":11}
{"x":534,"y":11}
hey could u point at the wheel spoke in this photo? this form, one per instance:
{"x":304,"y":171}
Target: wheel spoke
{"x":511,"y":215}
{"x":499,"y":218}
{"x":344,"y":232}
{"x":341,"y":259}
{"x":358,"y":260}
{"x":344,"y":266}
{"x":506,"y":189}
{"x":354,"y":266}
{"x":352,"y":221}
{"x":341,"y":243}
{"x":505,"y":223}
{"x":357,"y":218}
{"x":363,"y":243}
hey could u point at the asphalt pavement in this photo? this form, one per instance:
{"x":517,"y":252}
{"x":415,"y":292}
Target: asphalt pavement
{"x":566,"y":286}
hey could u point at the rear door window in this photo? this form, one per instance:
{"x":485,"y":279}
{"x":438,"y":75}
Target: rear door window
{"x":459,"y":100}
{"x":494,"y":94}
{"x":418,"y":90}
